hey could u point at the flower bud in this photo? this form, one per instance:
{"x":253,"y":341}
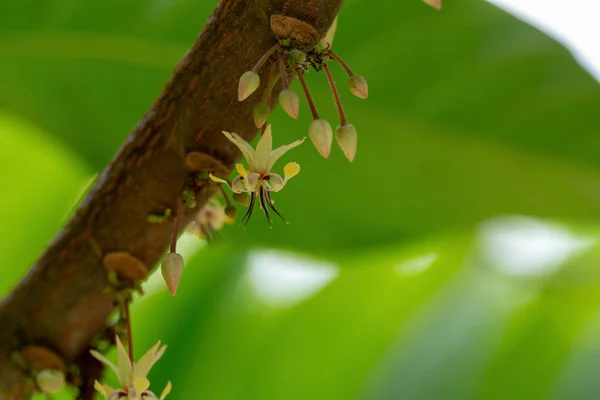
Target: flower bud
{"x":172,"y":268}
{"x":242,"y":199}
{"x":50,"y":380}
{"x":357,"y":84}
{"x":437,"y":4}
{"x":346,"y":138}
{"x":290,"y":102}
{"x":321,"y":135}
{"x":231,"y":212}
{"x":249,"y":82}
{"x":261,"y":114}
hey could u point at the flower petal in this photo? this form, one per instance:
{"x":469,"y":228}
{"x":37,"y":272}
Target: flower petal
{"x":244,"y":147}
{"x":274,"y":182}
{"x":280,"y":151}
{"x":251,"y":181}
{"x":104,"y":361}
{"x":241,"y":170}
{"x":145,"y":363}
{"x":166,"y":391}
{"x":290,"y":170}
{"x":104,"y":390}
{"x":217,"y":179}
{"x":237,"y":184}
{"x":220,"y":180}
{"x":263,"y":151}
{"x":125,"y":366}
{"x":141,"y":384}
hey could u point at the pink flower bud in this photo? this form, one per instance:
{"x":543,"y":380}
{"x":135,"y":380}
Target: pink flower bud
{"x":321,"y":135}
{"x":172,"y":268}
{"x":50,"y":380}
{"x":346,"y":138}
{"x":261,"y":114}
{"x":358,"y":86}
{"x":289,"y":101}
{"x":437,"y":4}
{"x":249,"y":82}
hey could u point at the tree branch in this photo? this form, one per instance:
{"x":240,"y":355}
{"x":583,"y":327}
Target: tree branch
{"x":62,"y":303}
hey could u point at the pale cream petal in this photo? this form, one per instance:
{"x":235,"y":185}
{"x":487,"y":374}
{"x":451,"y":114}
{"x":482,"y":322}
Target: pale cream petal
{"x":104,"y":390}
{"x":274,"y":182}
{"x":125,"y":366}
{"x":280,"y":151}
{"x":145,"y":363}
{"x":160,"y":353}
{"x":166,"y":391}
{"x":263,"y":152}
{"x":244,"y":147}
{"x":251,"y":181}
{"x":219,"y":180}
{"x":237,"y":184}
{"x":104,"y":361}
{"x":141,"y":384}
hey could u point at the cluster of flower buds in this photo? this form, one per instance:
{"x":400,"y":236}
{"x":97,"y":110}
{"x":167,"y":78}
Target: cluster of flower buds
{"x":287,"y":63}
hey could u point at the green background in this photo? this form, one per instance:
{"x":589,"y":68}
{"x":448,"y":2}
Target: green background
{"x":456,"y":257}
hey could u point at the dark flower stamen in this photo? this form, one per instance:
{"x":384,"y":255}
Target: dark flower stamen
{"x":272,"y":206}
{"x":262,"y":194}
{"x":250,"y":209}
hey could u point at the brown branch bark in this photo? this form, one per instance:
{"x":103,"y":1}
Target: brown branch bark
{"x":62,"y":303}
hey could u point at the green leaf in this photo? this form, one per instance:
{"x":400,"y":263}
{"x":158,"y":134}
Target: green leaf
{"x":40,"y":181}
{"x":471,"y":112}
{"x":451,"y":317}
{"x":243,"y":328}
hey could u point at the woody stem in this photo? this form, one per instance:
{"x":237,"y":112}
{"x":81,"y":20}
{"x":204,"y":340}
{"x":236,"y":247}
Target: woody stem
{"x":311,"y":104}
{"x":336,"y":95}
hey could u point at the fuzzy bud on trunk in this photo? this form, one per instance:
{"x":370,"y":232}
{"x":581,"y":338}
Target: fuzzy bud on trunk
{"x":346,"y":137}
{"x":172,"y":268}
{"x":249,"y":82}
{"x":321,"y":134}
{"x":358,"y":86}
{"x":290,"y":102}
{"x":261,"y":114}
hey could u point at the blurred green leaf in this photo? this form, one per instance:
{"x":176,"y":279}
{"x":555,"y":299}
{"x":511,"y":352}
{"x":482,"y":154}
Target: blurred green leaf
{"x":40,"y":182}
{"x":425,"y":321}
{"x":236,"y":332}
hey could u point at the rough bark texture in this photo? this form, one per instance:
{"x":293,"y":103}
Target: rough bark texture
{"x":63,"y":303}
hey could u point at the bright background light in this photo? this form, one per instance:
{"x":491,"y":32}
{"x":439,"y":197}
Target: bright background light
{"x":573,"y":23}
